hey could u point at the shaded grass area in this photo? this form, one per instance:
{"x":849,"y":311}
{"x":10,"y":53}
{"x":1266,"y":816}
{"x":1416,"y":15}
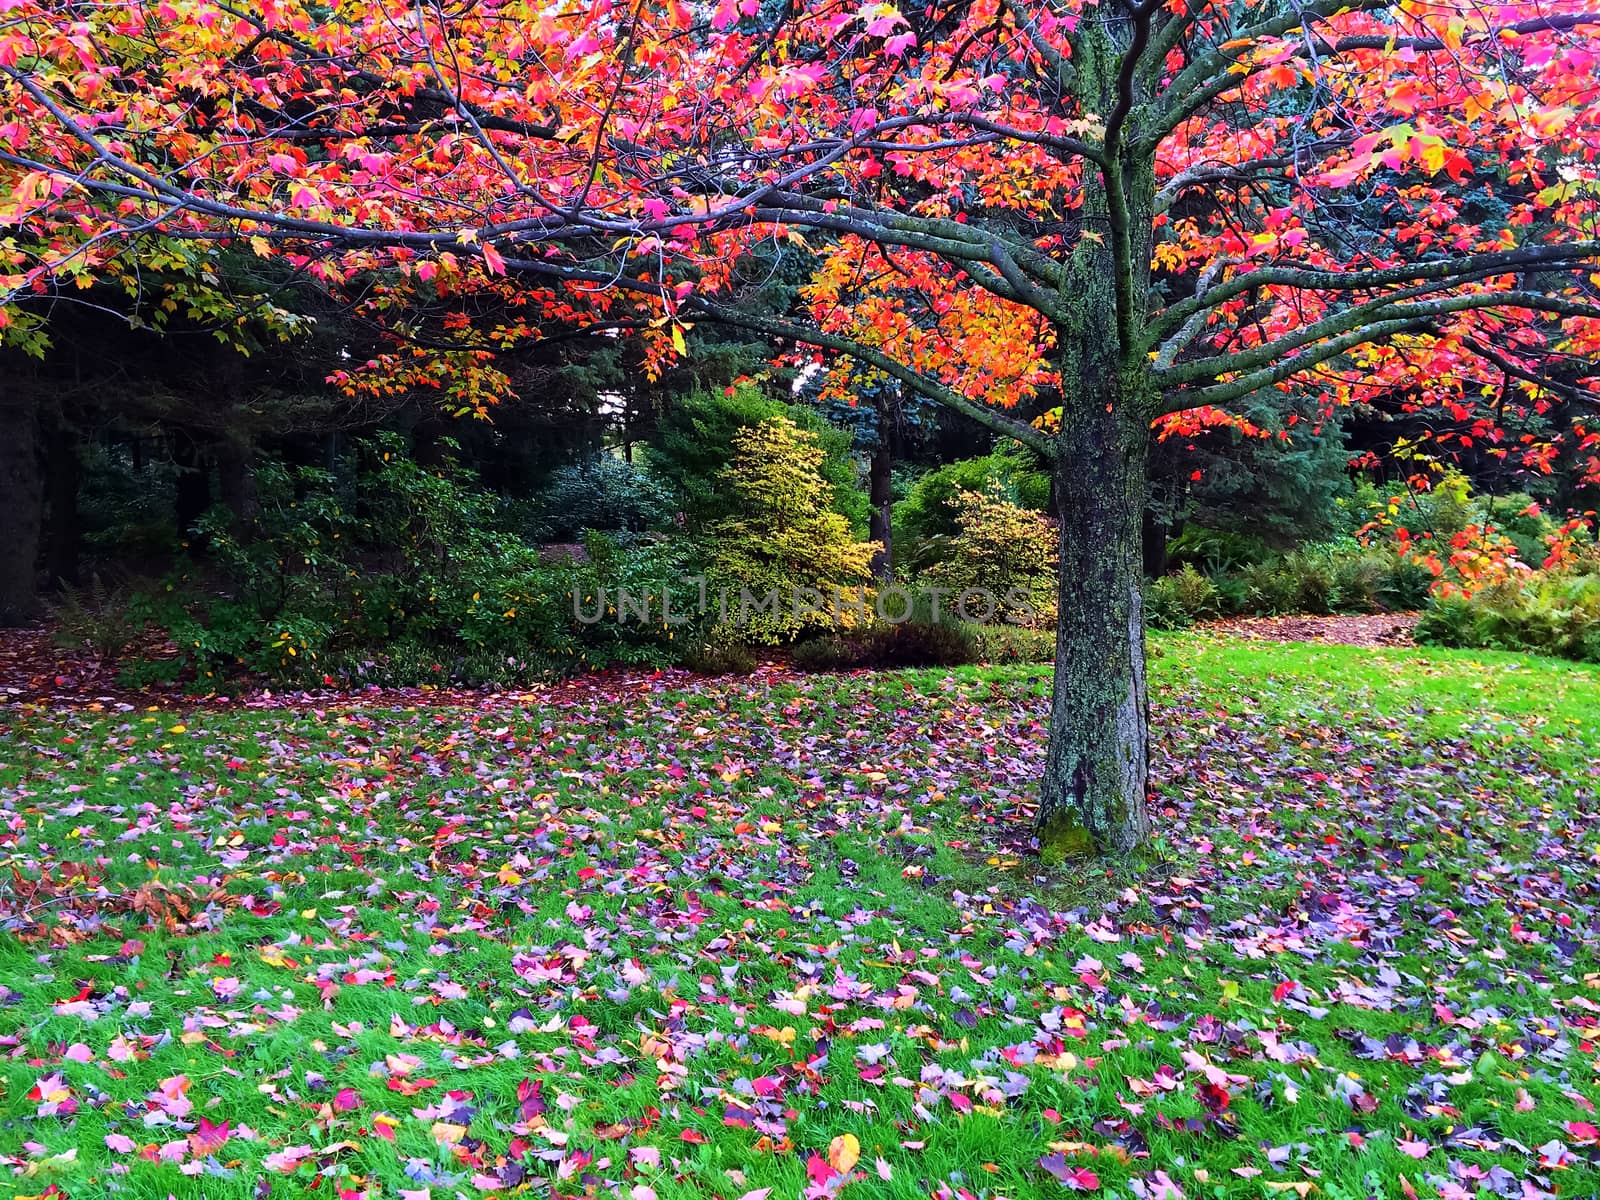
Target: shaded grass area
{"x":712,"y":940}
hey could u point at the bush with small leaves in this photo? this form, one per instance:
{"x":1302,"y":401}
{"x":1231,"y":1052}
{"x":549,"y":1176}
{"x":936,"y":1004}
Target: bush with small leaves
{"x":721,"y":658}
{"x":785,"y":543}
{"x":885,"y":646}
{"x":1005,"y":551}
{"x":925,"y":523}
{"x":605,"y":494}
{"x":1014,"y":644}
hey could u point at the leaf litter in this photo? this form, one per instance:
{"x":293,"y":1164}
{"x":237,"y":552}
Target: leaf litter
{"x":786,"y":937}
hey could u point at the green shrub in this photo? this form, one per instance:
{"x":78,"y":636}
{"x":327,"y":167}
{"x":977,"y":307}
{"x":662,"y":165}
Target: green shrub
{"x":1215,"y":550}
{"x":1270,"y":589}
{"x":1163,"y":609}
{"x":695,"y":445}
{"x":721,"y":658}
{"x":1563,"y":617}
{"x":1319,"y":579}
{"x":403,"y":578}
{"x":1360,"y":509}
{"x":1233,"y":594}
{"x":605,"y":494}
{"x":1544,"y":612}
{"x":1178,"y":600}
{"x":1315,"y":585}
{"x":1408,"y":585}
{"x":925,"y":522}
{"x":1197,"y":594}
{"x":1448,"y":621}
{"x":784,"y":538}
{"x":1358,"y":581}
{"x":1006,"y":551}
{"x":1447,"y":507}
{"x":826,"y":652}
{"x":1013,"y":644}
{"x":96,"y":618}
{"x":885,"y":646}
{"x":1519,"y":518}
{"x":126,"y":514}
{"x":653,"y":616}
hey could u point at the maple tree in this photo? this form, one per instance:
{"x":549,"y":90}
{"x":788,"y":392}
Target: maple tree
{"x":1132,"y":214}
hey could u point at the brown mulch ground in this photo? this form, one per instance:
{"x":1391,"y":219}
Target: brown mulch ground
{"x":1378,"y":629}
{"x":34,"y":670}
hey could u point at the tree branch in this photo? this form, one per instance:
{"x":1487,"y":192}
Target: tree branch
{"x":1052,"y":57}
{"x":1553,"y":256}
{"x":1202,"y":81}
{"x":989,"y":418}
{"x":1254,"y":381}
{"x":1517,"y":371}
{"x":1359,"y":325}
{"x":1118,"y":215}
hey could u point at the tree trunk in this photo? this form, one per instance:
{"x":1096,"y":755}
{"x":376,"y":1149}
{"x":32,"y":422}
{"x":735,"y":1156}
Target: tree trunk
{"x":21,"y":504}
{"x":1096,"y":768}
{"x":1156,"y":535}
{"x":235,"y":450}
{"x":236,"y":482}
{"x":62,"y":473}
{"x":879,"y":524}
{"x":192,"y":490}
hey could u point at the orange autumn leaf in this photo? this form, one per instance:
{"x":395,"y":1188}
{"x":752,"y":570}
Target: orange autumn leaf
{"x":844,"y":1152}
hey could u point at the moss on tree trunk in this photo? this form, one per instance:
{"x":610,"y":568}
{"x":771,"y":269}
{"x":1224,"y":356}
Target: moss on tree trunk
{"x":1097,"y":765}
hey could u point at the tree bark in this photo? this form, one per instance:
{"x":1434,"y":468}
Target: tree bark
{"x":1092,"y":800}
{"x":192,"y":493}
{"x":1155,"y":536}
{"x":879,"y":491}
{"x":62,"y":476}
{"x":1097,"y":764}
{"x":21,"y":503}
{"x":236,"y":482}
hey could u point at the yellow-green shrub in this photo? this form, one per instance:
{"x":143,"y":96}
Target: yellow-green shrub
{"x":785,"y":538}
{"x":1005,"y":550}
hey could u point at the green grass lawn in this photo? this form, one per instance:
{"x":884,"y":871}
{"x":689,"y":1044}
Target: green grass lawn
{"x":718,"y":940}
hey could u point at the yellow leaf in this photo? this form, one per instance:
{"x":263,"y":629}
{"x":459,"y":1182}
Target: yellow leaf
{"x":677,"y":340}
{"x":844,"y":1152}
